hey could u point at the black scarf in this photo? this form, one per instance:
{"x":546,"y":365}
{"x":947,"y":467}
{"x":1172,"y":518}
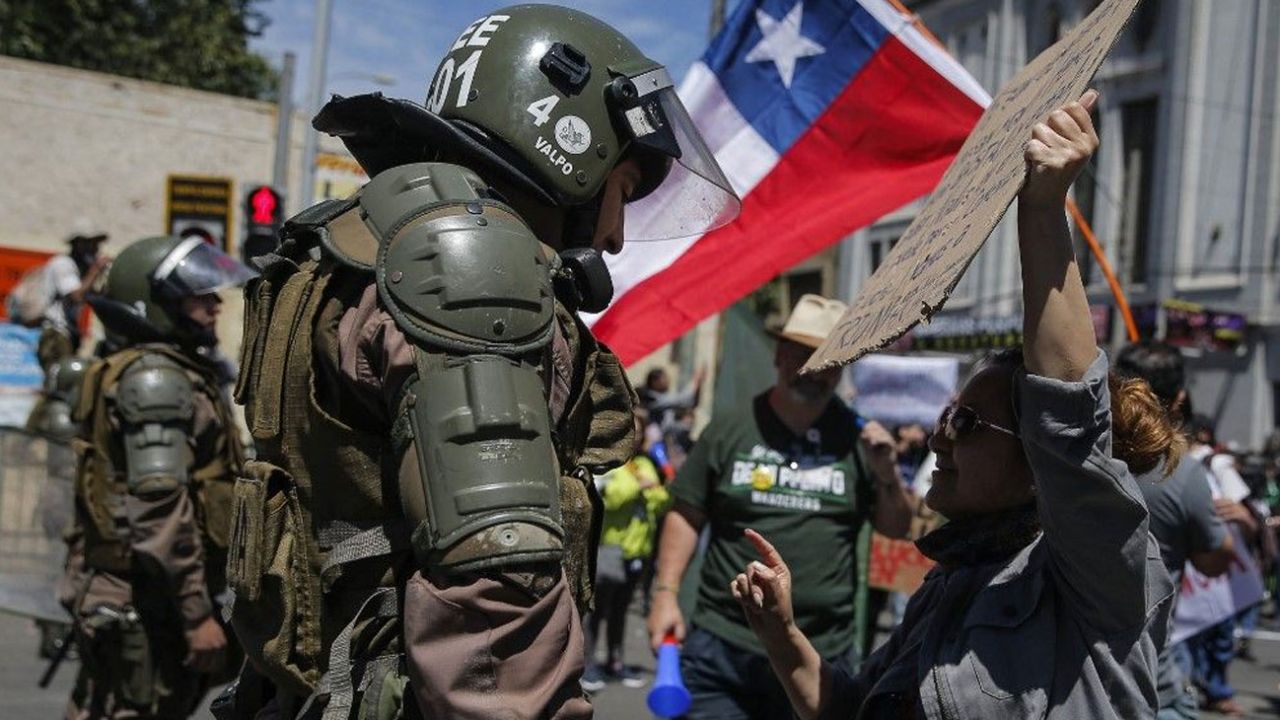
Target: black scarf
{"x":982,"y":539}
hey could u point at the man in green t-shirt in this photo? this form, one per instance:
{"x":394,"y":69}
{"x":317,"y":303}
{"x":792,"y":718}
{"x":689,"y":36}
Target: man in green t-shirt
{"x":793,"y":465}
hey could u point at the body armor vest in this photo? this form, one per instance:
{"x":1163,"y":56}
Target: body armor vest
{"x":100,"y":466}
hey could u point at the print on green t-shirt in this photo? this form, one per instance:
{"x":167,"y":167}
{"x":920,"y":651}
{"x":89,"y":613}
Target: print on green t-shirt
{"x":808,"y":494}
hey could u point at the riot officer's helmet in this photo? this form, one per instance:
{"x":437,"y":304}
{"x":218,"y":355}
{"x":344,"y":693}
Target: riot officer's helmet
{"x":147,"y":282}
{"x":567,"y":97}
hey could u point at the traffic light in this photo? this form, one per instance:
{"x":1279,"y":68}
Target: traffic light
{"x":264,"y":212}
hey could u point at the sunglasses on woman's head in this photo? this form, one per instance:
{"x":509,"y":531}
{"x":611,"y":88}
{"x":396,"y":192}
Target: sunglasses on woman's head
{"x":960,"y":421}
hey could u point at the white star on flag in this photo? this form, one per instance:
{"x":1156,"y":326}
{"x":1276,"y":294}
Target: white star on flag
{"x":782,"y":42}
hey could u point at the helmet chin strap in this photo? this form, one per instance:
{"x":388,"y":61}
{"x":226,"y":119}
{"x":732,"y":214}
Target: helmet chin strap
{"x":579,"y":229}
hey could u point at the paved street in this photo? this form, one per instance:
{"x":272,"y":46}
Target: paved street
{"x":20,"y":699}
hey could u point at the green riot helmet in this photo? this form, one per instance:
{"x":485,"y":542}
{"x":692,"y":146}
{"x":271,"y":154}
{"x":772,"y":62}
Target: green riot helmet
{"x":148,"y":281}
{"x":566,"y":98}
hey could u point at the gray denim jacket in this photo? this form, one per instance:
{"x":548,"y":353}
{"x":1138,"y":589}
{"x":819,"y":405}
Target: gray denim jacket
{"x":1069,"y":628}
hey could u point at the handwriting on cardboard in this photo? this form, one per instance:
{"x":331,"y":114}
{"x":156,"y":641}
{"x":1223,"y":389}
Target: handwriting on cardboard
{"x":919,"y":274}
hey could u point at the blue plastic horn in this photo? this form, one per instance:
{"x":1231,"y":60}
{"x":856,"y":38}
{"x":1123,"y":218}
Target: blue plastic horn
{"x":669,"y":697}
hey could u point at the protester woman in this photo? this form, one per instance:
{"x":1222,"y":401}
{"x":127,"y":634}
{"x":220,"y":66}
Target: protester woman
{"x":1050,"y":599}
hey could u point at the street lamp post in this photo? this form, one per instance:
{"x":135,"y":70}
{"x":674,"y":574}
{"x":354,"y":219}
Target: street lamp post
{"x":319,"y":67}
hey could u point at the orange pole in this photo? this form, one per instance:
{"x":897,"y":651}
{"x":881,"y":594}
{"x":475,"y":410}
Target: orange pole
{"x":915,"y":21}
{"x":1122,"y":303}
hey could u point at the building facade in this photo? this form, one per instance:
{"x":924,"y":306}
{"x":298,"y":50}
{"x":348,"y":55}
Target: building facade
{"x":81,"y":145}
{"x":1184,"y":194}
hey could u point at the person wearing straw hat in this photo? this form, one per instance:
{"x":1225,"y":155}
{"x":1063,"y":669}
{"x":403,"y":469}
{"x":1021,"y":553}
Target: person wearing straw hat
{"x":794,"y":461}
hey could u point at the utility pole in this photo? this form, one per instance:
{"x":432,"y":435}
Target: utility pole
{"x":315,"y":93}
{"x":717,"y":18}
{"x":284,"y":126}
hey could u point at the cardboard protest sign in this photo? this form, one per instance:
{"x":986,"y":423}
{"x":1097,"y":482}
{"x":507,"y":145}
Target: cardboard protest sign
{"x":923,"y":268}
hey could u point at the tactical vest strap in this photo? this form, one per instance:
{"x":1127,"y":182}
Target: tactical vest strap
{"x":348,"y":544}
{"x":268,"y":396}
{"x":337,"y":682}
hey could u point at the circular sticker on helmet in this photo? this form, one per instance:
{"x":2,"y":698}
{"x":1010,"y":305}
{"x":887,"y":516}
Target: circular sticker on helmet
{"x":573,"y":134}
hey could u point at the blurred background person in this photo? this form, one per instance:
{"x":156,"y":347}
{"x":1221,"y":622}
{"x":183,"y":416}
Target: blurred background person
{"x":795,"y":464}
{"x":634,"y":500}
{"x":1213,"y":650}
{"x":1183,"y":518}
{"x":69,"y":279}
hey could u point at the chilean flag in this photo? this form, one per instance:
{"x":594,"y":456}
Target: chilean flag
{"x":824,"y":115}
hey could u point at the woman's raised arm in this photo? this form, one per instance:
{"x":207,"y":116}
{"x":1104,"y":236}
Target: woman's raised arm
{"x":1057,"y":328}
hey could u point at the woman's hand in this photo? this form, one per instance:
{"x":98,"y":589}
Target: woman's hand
{"x":1058,"y":150}
{"x":764,"y":591}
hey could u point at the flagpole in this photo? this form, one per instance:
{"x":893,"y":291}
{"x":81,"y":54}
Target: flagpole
{"x":717,"y":18}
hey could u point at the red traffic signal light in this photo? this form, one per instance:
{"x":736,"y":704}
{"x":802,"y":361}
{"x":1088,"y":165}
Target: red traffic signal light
{"x":264,"y":205}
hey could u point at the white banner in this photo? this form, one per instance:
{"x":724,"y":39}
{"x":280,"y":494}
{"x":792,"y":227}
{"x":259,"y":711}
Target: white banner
{"x":898,"y":390}
{"x":1204,"y":601}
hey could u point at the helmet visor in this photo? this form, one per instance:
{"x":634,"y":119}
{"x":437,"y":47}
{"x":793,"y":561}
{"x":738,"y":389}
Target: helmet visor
{"x":195,"y":268}
{"x":695,"y":197}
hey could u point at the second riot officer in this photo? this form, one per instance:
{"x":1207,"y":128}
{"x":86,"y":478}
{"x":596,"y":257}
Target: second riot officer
{"x":158,"y":453}
{"x":417,"y":533}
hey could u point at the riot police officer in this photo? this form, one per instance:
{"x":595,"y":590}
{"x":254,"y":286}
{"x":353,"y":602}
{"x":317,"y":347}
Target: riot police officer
{"x":158,"y":452}
{"x":53,"y":422}
{"x":417,"y":534}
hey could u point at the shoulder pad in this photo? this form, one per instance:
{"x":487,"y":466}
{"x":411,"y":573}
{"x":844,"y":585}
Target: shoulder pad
{"x":155,"y":389}
{"x":456,"y":269}
{"x":64,"y":378}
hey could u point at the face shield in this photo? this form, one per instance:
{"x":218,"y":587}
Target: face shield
{"x":195,"y":268}
{"x":684,"y":192}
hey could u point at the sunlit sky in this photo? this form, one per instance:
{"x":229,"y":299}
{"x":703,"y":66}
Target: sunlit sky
{"x":402,"y":40}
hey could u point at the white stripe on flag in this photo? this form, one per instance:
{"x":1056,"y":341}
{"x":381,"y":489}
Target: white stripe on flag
{"x":938,"y":58}
{"x":743,"y":154}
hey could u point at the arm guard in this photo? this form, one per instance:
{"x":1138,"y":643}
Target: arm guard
{"x":154,"y":401}
{"x":470,"y":286}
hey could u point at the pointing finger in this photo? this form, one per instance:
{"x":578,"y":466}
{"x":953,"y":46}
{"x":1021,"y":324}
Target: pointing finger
{"x":764,"y":549}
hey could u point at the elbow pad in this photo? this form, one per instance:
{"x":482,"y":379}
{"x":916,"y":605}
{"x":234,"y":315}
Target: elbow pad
{"x":154,"y":401}
{"x":471,"y":287}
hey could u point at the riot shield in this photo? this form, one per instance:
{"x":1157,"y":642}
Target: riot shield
{"x":36,"y":508}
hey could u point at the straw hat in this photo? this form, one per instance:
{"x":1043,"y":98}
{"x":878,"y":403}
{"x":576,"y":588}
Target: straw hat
{"x":813,"y":318}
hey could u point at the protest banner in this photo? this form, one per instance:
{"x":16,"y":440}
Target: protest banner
{"x":920,"y":272}
{"x":894,"y":390}
{"x":896,"y":565}
{"x":1204,"y":601}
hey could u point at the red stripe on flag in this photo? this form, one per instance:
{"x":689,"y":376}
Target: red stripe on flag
{"x":885,"y":141}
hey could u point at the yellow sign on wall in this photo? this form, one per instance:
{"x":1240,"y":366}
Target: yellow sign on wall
{"x":199,"y":206}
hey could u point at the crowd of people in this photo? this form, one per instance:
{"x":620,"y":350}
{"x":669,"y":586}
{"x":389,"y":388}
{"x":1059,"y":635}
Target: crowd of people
{"x":450,"y":495}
